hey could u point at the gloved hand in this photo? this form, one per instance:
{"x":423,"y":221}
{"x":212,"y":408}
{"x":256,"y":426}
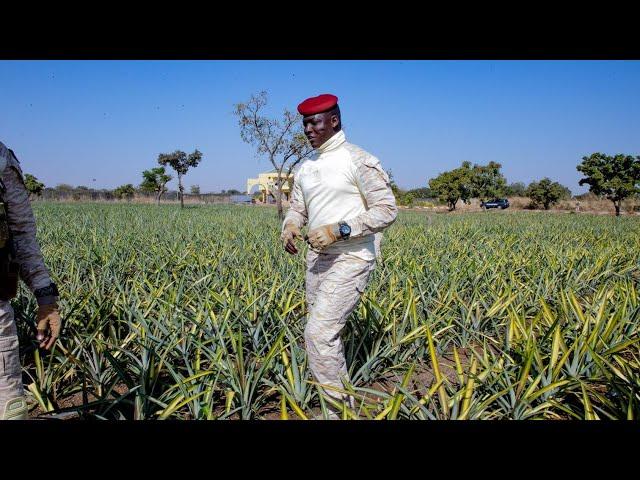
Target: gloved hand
{"x":323,"y":236}
{"x":290,"y":233}
{"x":49,"y":325}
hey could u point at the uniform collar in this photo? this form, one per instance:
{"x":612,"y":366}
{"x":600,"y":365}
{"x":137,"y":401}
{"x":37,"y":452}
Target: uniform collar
{"x":333,"y":143}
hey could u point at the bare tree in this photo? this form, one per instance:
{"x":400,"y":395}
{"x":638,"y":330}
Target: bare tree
{"x":281,"y":140}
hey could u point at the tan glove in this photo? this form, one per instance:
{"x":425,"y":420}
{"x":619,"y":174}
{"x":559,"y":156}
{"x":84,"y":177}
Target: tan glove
{"x":323,"y":236}
{"x":49,"y":325}
{"x":290,"y":233}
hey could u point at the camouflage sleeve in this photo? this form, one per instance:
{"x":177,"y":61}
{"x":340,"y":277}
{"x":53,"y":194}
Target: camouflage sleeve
{"x":297,"y":213}
{"x":375,"y":187}
{"x":23,"y":227}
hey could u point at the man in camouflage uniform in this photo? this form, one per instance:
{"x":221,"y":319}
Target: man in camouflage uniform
{"x":20,"y":257}
{"x":344,"y":195}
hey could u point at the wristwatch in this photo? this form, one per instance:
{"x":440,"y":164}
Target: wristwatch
{"x":344,"y":229}
{"x":47,"y":295}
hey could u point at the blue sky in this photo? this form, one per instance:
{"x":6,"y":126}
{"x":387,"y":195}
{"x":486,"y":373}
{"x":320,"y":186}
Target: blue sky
{"x":76,"y":121}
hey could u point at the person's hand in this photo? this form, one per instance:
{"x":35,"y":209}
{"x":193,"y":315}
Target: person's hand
{"x":49,"y":325}
{"x":289,"y":234}
{"x":323,"y":236}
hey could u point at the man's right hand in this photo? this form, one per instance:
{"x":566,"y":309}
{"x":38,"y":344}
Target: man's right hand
{"x":49,"y":325}
{"x":289,"y":234}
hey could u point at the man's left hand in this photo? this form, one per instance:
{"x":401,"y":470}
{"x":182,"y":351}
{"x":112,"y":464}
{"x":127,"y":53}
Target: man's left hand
{"x":321,"y":237}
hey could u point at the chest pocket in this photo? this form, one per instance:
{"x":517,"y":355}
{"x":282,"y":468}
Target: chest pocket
{"x":312,"y":178}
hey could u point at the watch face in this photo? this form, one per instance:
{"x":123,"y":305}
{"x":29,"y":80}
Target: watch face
{"x":345,"y":230}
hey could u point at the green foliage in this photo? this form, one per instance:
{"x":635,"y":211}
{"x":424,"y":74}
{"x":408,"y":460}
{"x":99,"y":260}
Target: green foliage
{"x":33,"y":186}
{"x":421,"y":192}
{"x":547,"y":193}
{"x":517,"y":189}
{"x":155,"y":181}
{"x":454,"y":185}
{"x":180,"y":162}
{"x":487,"y":181}
{"x":397,"y":191}
{"x":64,"y":187}
{"x":195,"y":190}
{"x":124,"y":192}
{"x":406,"y":199}
{"x":613,"y":177}
{"x":520,"y":316}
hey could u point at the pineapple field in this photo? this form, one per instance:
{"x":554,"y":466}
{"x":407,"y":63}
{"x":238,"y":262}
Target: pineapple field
{"x":199,"y":314}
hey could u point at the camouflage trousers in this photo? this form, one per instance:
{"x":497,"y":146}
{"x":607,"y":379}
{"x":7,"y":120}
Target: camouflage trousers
{"x":334,"y":284}
{"x":12,"y":401}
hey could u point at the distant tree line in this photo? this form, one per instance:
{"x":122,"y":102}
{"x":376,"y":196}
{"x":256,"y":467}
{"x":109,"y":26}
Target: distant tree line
{"x":612,"y":177}
{"x":65,"y":191}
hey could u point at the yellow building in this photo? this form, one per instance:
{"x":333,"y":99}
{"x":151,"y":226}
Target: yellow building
{"x":268,"y":184}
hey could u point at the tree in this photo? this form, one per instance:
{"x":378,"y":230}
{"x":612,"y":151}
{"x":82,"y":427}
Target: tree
{"x":397,"y":191}
{"x":64,"y":187}
{"x":517,"y":189}
{"x":124,"y":191}
{"x":155,"y":181}
{"x":407,"y":199}
{"x":195,"y":190}
{"x":281,"y":140}
{"x":33,"y":186}
{"x":547,"y":193}
{"x":181,"y":163}
{"x":453,"y":185}
{"x":614,"y":178}
{"x":487,"y":181}
{"x":423,"y":192}
{"x":403,"y":197}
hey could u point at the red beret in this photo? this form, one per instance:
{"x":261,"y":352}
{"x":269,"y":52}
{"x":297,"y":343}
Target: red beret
{"x":318,"y":104}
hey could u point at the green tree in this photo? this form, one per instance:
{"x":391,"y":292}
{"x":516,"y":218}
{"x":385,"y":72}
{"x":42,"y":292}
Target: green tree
{"x":517,"y":189}
{"x":64,"y":187}
{"x":423,"y":192}
{"x":33,"y":186}
{"x":408,"y":199}
{"x":281,"y":140}
{"x":181,"y":163}
{"x":124,"y":192}
{"x":613,"y":177}
{"x":403,"y":197}
{"x":547,"y":193}
{"x":155,"y":181}
{"x":397,"y":191}
{"x":453,"y":185}
{"x":195,"y":190}
{"x":487,"y":181}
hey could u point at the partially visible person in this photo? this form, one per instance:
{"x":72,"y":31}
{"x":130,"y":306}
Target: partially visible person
{"x":20,"y":258}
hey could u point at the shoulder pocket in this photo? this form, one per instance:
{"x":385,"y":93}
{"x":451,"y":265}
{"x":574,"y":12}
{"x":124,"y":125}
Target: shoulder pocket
{"x":372,"y":162}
